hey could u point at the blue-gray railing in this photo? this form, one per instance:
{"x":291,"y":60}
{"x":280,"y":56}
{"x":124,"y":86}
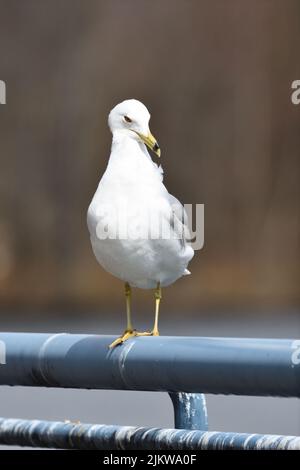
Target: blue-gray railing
{"x":182,"y":366}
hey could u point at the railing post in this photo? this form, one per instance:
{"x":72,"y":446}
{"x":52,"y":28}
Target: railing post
{"x":190,"y":410}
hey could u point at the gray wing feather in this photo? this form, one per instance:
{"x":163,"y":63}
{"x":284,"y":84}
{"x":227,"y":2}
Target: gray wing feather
{"x":179,"y":220}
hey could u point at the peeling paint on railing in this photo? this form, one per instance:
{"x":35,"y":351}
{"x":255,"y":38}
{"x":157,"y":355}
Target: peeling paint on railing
{"x":102,"y":437}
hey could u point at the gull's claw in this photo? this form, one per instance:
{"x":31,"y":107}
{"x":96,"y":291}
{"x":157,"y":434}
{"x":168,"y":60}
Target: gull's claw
{"x":124,"y":337}
{"x":148,"y":333}
{"x":131,"y":334}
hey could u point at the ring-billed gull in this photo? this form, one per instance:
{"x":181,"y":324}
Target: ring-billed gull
{"x":138,"y":230}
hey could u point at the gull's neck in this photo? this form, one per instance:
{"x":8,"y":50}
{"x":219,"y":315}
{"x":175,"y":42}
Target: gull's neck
{"x":126,"y":147}
{"x":130,"y":162}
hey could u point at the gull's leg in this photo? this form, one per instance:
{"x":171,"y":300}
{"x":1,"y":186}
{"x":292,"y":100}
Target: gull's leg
{"x":129,"y":332}
{"x":155,"y":331}
{"x":128,"y":307}
{"x":158,"y":296}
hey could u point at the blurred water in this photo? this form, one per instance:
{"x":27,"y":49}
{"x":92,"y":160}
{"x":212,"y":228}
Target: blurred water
{"x":226,"y":413}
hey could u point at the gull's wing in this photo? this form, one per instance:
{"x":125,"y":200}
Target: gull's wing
{"x":179,"y":220}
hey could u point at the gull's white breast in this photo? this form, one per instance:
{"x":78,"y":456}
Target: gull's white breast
{"x":129,"y":201}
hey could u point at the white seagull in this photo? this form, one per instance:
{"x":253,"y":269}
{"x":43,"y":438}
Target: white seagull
{"x":138,"y":230}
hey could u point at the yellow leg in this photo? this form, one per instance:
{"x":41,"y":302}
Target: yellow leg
{"x":129,"y":332}
{"x":155,"y":331}
{"x":158,"y":296}
{"x":128,"y":306}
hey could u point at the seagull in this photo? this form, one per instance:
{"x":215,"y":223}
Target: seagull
{"x":139,"y":232}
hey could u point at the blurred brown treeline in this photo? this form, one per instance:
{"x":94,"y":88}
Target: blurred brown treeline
{"x":216,"y":76}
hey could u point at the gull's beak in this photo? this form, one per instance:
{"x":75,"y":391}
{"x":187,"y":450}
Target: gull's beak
{"x":151,"y":143}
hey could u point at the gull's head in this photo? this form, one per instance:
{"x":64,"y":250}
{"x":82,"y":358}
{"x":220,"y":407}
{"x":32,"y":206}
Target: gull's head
{"x":132,"y":117}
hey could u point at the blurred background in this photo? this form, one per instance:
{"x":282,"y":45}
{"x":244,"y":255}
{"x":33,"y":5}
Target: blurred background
{"x":216,"y":76}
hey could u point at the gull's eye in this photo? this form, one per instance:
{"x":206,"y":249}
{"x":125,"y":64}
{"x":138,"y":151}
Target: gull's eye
{"x":127,"y":119}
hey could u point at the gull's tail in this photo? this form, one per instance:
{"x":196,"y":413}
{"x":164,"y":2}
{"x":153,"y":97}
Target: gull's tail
{"x":186,"y":272}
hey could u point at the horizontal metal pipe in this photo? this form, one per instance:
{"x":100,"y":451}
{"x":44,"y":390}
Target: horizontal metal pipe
{"x":240,"y":366}
{"x":95,"y":436}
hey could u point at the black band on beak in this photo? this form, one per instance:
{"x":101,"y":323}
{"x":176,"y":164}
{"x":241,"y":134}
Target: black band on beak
{"x":155,"y":147}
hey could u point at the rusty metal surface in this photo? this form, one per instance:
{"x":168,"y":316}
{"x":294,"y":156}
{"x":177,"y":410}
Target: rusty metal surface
{"x":190,"y":410}
{"x":94,"y":436}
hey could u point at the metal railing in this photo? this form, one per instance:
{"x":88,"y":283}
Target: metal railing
{"x":181,"y":366}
